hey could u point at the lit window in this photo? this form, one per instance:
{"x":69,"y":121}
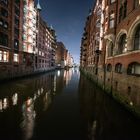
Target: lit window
{"x":4,"y":56}
{"x":39,"y":52}
{"x":0,"y":55}
{"x":15,"y":57}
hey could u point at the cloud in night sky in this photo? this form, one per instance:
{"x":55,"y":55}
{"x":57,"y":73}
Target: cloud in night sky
{"x":68,"y":19}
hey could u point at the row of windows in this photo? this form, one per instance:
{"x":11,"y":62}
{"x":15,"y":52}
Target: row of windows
{"x":133,"y":68}
{"x":122,"y":43}
{"x":4,"y":56}
{"x":122,"y":12}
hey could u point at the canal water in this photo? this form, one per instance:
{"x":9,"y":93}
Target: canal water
{"x":62,"y":105}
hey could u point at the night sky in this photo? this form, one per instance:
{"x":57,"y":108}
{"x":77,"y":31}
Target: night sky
{"x":68,"y":19}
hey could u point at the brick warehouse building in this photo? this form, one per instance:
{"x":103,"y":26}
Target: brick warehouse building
{"x":117,"y":60}
{"x":46,"y":46}
{"x":27,"y":43}
{"x":10,"y":37}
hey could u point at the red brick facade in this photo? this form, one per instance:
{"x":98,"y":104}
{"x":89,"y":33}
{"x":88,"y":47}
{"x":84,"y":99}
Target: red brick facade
{"x":116,"y":63}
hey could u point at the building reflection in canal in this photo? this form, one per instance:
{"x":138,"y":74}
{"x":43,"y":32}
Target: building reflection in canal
{"x":51,"y":106}
{"x":26,"y":95}
{"x":105,"y":119}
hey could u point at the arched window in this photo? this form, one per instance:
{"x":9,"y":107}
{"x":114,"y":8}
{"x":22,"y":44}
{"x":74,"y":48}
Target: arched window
{"x":118,"y":68}
{"x":133,"y":69}
{"x":109,"y":67}
{"x":122,"y":44}
{"x":110,"y":49}
{"x":137,"y":39}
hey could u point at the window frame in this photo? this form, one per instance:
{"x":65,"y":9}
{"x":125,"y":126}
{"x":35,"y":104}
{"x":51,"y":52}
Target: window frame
{"x":118,"y":68}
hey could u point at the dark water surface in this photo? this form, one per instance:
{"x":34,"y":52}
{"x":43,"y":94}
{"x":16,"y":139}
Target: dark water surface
{"x":62,"y":105}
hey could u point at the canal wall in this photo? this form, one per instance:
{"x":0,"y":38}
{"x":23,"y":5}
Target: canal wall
{"x":19,"y":72}
{"x":123,"y":88}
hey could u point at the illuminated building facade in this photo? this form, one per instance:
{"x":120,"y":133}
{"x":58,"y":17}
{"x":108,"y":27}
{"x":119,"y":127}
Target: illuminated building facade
{"x":29,"y":35}
{"x":46,"y":46}
{"x":27,"y":43}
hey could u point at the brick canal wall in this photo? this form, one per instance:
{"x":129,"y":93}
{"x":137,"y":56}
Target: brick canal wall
{"x":8,"y":73}
{"x":122,"y":87}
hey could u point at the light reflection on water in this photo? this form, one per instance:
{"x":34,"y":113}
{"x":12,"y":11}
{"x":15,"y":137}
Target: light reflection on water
{"x":28,"y":122}
{"x":27,"y":93}
{"x":50,"y":107}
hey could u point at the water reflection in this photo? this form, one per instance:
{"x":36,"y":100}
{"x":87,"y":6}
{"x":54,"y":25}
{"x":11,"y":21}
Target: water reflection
{"x":25,"y":99}
{"x":49,"y":105}
{"x":103,"y":118}
{"x":28,"y":118}
{"x":15,"y":99}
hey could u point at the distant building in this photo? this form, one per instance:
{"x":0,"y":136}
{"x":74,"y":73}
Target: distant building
{"x":45,"y":54}
{"x":60,"y":55}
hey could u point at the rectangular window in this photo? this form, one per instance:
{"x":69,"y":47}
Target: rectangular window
{"x":125,"y":9}
{"x":16,"y":21}
{"x":15,"y":57}
{"x":17,"y":2}
{"x":137,"y":69}
{"x":0,"y":56}
{"x":17,"y":31}
{"x":16,"y":44}
{"x":120,"y":13}
{"x":112,"y":1}
{"x":4,"y":12}
{"x":17,"y":12}
{"x":111,"y":21}
{"x":5,"y":25}
{"x":4,"y":56}
{"x":1,"y":22}
{"x":3,"y":39}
